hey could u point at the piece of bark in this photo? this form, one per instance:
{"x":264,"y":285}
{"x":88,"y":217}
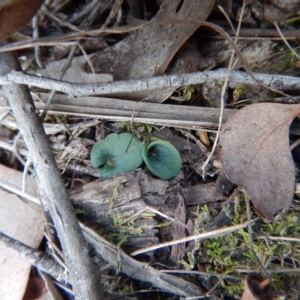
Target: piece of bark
{"x":85,"y":277}
{"x":133,"y":191}
{"x":177,"y":230}
{"x":201,"y":193}
{"x":101,"y":199}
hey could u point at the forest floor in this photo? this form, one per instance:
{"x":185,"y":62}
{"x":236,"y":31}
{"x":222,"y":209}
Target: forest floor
{"x":213,"y":213}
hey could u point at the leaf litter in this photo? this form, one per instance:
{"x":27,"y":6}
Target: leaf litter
{"x":256,"y":155}
{"x":138,"y":187}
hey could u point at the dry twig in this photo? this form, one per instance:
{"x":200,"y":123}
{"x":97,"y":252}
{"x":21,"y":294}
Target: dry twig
{"x":85,"y":277}
{"x":149,"y":84}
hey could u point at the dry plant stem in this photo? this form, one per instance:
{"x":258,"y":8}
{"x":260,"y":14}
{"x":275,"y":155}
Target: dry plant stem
{"x":148,"y":208}
{"x":256,"y":33}
{"x":215,"y":27}
{"x":201,"y":236}
{"x":15,"y":147}
{"x":9,"y":187}
{"x":113,"y":13}
{"x":33,"y":256}
{"x":250,"y":232}
{"x":124,"y":110}
{"x":209,"y":274}
{"x":224,"y":88}
{"x":138,"y":270}
{"x":295,"y":271}
{"x":111,"y":109}
{"x":285,"y":41}
{"x":69,"y":38}
{"x":58,"y":20}
{"x":52,"y":93}
{"x":279,"y":238}
{"x":61,"y":5}
{"x":87,"y":10}
{"x":69,"y":61}
{"x":26,"y":169}
{"x":36,"y":34}
{"x":85,"y":277}
{"x":159,"y":82}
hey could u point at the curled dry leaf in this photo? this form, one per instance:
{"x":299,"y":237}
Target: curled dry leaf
{"x":256,"y":154}
{"x":16,"y":13}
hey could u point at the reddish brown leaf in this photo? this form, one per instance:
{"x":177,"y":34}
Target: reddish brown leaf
{"x":256,"y":154}
{"x":16,"y":13}
{"x":35,"y":288}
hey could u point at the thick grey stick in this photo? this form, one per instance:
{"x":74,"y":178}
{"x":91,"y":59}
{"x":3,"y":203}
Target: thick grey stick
{"x":138,"y":270}
{"x":149,"y":84}
{"x":85,"y":276}
{"x":33,"y":256}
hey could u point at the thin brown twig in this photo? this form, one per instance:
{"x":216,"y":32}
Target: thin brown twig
{"x":285,"y":41}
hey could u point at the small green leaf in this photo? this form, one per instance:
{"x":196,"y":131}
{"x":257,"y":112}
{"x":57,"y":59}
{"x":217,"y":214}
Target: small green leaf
{"x":117,"y":153}
{"x":162,"y":159}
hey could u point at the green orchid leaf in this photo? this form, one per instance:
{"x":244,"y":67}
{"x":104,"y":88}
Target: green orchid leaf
{"x":117,"y":153}
{"x":162,"y":159}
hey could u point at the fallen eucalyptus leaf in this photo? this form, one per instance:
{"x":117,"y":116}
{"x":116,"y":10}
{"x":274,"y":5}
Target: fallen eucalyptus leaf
{"x":117,"y":153}
{"x":256,"y":154}
{"x":162,"y":159}
{"x":23,"y":223}
{"x":145,"y":53}
{"x":16,"y":13}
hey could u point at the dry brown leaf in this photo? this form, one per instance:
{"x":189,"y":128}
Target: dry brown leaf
{"x":148,"y":51}
{"x":35,"y":289}
{"x":203,"y":137}
{"x":23,"y":223}
{"x":256,"y":154}
{"x":74,"y":74}
{"x":16,"y":13}
{"x":257,"y":288}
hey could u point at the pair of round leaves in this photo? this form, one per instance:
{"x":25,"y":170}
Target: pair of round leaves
{"x":120,"y":153}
